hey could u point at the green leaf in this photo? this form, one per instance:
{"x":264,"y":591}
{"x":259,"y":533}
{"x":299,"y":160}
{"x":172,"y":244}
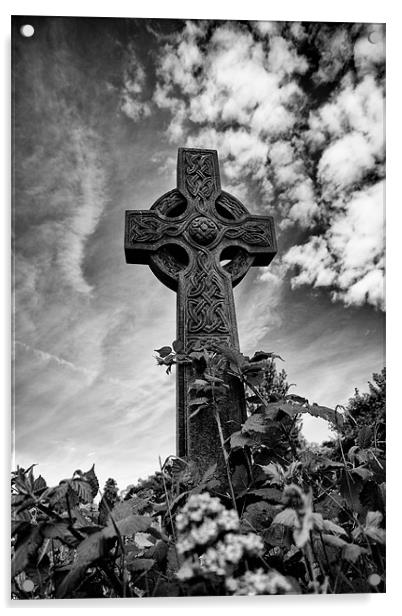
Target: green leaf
{"x":363,"y":472}
{"x":298,"y":399}
{"x":258,"y":516}
{"x":255,"y":423}
{"x":364,"y":437}
{"x":201,"y":401}
{"x":158,"y":551}
{"x":83,"y":489}
{"x":324,"y":412}
{"x":88,"y":551}
{"x":287,"y":517}
{"x":275,"y":473}
{"x":352,"y":552}
{"x":164,"y":351}
{"x":56,"y":494}
{"x":209,"y":473}
{"x":39,"y":484}
{"x":237,"y":439}
{"x":334,"y":540}
{"x":26,"y":550}
{"x":372,"y":526}
{"x":92,"y":479}
{"x":141,"y":564}
{"x":59,"y":530}
{"x":129,"y":526}
{"x":178,"y":346}
{"x":270,"y":494}
{"x":173,"y":562}
{"x":331,"y":527}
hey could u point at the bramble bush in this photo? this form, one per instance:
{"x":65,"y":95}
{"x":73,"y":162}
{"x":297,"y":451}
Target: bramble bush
{"x":297,"y":518}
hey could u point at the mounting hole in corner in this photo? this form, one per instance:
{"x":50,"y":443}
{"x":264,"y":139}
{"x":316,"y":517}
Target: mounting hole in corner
{"x":27,"y":30}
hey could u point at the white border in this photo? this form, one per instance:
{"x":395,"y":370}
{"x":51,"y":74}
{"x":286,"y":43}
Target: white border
{"x":305,"y":10}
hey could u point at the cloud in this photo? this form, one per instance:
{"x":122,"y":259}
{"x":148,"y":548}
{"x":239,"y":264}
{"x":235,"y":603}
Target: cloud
{"x":234,"y":88}
{"x":349,"y":257}
{"x":132,"y":97}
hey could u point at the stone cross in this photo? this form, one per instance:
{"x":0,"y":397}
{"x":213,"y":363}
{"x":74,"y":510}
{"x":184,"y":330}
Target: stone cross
{"x":200,"y":242}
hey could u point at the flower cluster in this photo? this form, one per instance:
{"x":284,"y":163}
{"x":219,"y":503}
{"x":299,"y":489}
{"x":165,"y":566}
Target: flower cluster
{"x":202,"y":520}
{"x":223,"y":558}
{"x":258,"y":583}
{"x":206,"y":528}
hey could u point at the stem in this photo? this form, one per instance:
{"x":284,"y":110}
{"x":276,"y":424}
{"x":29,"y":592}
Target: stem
{"x":167,"y":501}
{"x":225,"y":456}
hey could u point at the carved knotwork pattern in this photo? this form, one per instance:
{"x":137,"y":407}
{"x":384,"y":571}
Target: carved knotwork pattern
{"x":199,"y":177}
{"x":239,"y":265}
{"x":231,"y":205}
{"x":206,"y":298}
{"x":165,"y":260}
{"x":254,"y":233}
{"x":148,"y":229}
{"x":169,"y":201}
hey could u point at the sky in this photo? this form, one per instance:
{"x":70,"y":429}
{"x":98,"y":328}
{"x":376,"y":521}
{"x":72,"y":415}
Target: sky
{"x":296,"y":112}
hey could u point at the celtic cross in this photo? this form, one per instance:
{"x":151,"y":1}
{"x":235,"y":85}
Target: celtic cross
{"x":200,"y":242}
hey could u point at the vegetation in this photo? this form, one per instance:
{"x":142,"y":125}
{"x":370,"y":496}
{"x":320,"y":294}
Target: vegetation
{"x":295,"y":519}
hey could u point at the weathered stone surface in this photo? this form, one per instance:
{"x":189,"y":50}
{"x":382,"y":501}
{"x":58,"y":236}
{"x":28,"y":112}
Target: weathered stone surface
{"x":183,"y":238}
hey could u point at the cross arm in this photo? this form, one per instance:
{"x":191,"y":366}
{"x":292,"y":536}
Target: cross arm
{"x":145,"y":232}
{"x":256,"y":235}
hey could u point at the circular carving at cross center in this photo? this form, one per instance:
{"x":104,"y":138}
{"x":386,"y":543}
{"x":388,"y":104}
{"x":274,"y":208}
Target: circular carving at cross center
{"x":203,"y":230}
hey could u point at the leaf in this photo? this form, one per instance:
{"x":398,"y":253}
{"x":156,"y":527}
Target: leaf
{"x":317,"y":521}
{"x":164,"y":351}
{"x":59,"y":530}
{"x":173,"y":561}
{"x":141,"y":564}
{"x":326,"y":413}
{"x":39,"y":484}
{"x":130,"y":525}
{"x":88,"y":551}
{"x":331,"y":527}
{"x":56,"y":494}
{"x":298,"y":399}
{"x":270,"y":494}
{"x":209,"y":473}
{"x":240,"y":478}
{"x":334,"y":540}
{"x":201,"y":401}
{"x":364,"y":437}
{"x":278,"y":535}
{"x":363,"y":472}
{"x":237,"y":439}
{"x":352,"y":552}
{"x":158,"y":551}
{"x":258,"y":516}
{"x":373,"y":518}
{"x":178,"y":346}
{"x":199,"y":385}
{"x":92,"y":479}
{"x":83,"y":489}
{"x":275,"y":473}
{"x":287,"y":517}
{"x":236,"y":358}
{"x":255,"y":423}
{"x":26,"y":550}
{"x":350,"y":488}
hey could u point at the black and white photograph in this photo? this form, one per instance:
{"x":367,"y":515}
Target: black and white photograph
{"x":198,"y":307}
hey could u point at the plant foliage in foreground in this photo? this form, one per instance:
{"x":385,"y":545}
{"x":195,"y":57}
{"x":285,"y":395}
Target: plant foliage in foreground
{"x":296,"y":518}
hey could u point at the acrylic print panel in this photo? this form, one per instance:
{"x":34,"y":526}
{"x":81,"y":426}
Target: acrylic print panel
{"x":248,"y":156}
